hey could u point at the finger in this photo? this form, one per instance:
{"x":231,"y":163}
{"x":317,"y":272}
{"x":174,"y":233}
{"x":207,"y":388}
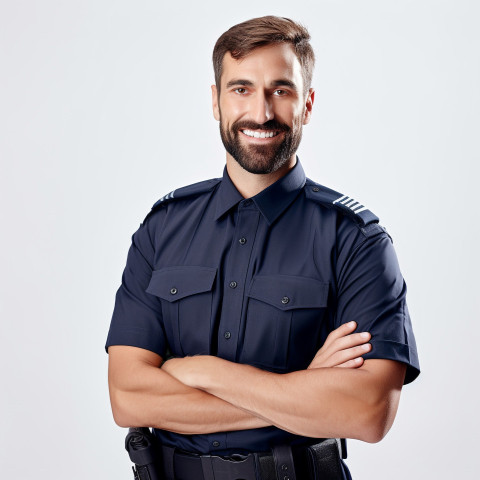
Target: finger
{"x":340,"y":357}
{"x":344,"y":343}
{"x":341,"y":331}
{"x":351,"y":340}
{"x":349,"y":354}
{"x":354,"y":363}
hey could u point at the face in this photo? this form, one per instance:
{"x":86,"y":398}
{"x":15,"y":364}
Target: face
{"x":262,"y":107}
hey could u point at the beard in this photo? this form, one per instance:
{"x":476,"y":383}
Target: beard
{"x":262,"y":159}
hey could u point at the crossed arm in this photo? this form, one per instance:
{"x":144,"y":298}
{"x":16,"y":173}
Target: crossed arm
{"x":205,"y":394}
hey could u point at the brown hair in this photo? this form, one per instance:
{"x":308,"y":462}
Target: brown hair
{"x":241,"y":39}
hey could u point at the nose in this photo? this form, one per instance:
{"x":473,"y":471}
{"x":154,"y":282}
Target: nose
{"x":262,"y":108}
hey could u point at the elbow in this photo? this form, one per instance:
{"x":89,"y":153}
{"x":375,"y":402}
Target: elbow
{"x":379,"y":421}
{"x":381,"y":400}
{"x":120,"y":414}
{"x":373,"y":434}
{"x":121,"y":418}
{"x":123,"y":414}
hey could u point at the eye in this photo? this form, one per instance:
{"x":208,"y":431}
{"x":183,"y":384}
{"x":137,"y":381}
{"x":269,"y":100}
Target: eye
{"x":280,"y":93}
{"x":240,"y":90}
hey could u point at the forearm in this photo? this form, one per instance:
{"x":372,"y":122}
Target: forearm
{"x":321,"y":403}
{"x":150,"y":397}
{"x":313,"y":403}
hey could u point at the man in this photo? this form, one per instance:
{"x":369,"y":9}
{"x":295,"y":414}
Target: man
{"x":260,"y":284}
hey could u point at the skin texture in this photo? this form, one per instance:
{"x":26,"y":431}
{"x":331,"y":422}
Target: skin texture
{"x":319,"y":402}
{"x":266,"y":86}
{"x":275,"y":99}
{"x":142,"y":394}
{"x":339,"y":394}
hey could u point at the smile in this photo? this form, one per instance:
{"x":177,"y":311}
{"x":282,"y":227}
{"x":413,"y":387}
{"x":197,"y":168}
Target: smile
{"x":262,"y":134}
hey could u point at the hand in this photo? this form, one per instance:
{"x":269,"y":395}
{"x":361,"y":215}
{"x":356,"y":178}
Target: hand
{"x":342,"y":348}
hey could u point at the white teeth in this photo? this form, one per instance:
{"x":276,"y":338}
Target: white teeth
{"x":263,"y":134}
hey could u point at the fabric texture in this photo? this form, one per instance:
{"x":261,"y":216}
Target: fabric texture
{"x":260,"y":281}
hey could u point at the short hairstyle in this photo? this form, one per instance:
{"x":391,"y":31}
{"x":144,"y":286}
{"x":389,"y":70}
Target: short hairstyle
{"x":241,"y":39}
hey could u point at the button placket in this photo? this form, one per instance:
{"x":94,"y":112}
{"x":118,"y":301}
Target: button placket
{"x":236,"y":267}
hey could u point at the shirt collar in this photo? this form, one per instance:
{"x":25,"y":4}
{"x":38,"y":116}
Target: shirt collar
{"x":272,"y":201}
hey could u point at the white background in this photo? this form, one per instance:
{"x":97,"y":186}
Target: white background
{"x":105,"y":107}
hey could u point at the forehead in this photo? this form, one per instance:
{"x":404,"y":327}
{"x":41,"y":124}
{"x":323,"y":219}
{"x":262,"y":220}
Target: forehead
{"x":264,"y":64}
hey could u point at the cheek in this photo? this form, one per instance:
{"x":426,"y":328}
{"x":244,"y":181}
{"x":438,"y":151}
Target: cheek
{"x":289,"y":113}
{"x":293,"y":120}
{"x":300,"y":111}
{"x":233,"y":108}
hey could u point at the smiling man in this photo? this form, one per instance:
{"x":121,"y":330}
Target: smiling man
{"x":262,"y":110}
{"x":278,"y":302}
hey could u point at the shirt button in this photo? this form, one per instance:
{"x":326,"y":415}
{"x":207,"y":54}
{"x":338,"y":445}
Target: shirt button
{"x":173,"y":291}
{"x":216,"y":444}
{"x":227,"y":335}
{"x":233,"y":285}
{"x":315,"y":189}
{"x":284,"y":466}
{"x":285,"y":300}
{"x":243,"y":241}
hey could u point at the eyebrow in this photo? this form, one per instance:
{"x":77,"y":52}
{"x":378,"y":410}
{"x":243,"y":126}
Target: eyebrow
{"x":283,"y":82}
{"x":245,"y":83}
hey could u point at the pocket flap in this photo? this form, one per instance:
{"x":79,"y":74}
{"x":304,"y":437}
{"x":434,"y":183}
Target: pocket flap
{"x":287,"y":292}
{"x":175,"y":283}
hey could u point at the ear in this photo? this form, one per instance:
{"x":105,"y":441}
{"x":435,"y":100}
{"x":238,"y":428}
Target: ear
{"x":216,"y":111}
{"x":309,"y":105}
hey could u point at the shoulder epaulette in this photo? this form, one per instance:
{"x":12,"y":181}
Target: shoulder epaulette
{"x":347,"y":205}
{"x":183,"y":192}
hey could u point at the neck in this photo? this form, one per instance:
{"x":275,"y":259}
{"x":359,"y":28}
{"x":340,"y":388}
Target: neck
{"x":249,"y":184}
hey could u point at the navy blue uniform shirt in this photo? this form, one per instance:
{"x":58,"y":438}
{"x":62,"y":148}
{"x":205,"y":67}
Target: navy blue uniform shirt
{"x":260,"y":281}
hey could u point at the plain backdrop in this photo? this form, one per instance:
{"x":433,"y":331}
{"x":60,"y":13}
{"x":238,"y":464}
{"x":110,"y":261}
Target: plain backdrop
{"x":105,"y":107}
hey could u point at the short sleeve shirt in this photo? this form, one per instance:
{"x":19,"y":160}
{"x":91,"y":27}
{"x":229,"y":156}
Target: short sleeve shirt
{"x":260,"y":281}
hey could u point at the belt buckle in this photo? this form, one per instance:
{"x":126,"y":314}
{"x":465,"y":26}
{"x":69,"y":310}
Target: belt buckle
{"x":218,"y":468}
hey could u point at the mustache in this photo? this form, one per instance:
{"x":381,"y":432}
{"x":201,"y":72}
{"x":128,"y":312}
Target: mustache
{"x":270,"y":125}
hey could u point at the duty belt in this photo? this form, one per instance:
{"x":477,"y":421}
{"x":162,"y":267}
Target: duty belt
{"x":319,"y":461}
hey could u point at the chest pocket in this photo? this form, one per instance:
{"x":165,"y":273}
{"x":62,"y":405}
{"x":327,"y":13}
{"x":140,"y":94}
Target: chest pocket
{"x":284,"y":321}
{"x":186,"y":296}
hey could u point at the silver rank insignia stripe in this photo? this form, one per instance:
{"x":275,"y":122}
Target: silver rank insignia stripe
{"x":167,"y":196}
{"x":351,"y":203}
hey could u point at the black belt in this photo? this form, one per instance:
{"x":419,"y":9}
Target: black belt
{"x":283,"y":463}
{"x":160,"y":462}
